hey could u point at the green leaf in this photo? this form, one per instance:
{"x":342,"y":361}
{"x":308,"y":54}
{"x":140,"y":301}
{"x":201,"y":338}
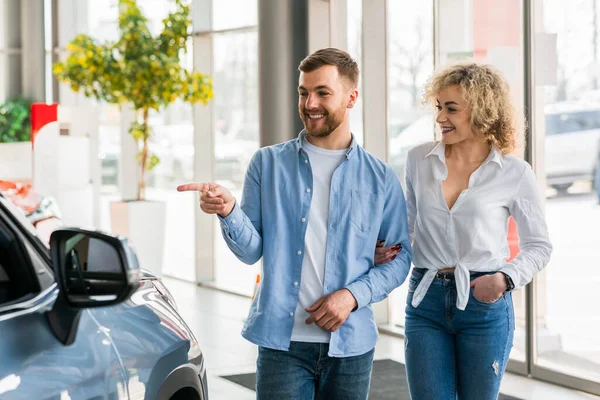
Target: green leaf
{"x":154,"y":161}
{"x":15,"y":122}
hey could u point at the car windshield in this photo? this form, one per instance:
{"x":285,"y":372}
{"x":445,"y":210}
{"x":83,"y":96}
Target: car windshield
{"x":571,"y":122}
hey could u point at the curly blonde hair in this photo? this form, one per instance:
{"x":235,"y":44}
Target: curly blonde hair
{"x":487,"y":94}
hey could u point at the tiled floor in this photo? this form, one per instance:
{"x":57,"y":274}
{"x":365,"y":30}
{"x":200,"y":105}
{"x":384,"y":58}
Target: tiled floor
{"x":216,"y":318}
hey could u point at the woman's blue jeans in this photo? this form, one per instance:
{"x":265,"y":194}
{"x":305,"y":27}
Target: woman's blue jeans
{"x":453,"y":354}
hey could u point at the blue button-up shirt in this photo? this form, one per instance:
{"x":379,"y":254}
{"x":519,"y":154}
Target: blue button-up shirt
{"x":366,"y":204}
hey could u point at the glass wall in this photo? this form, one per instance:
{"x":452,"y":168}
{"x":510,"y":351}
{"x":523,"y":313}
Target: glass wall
{"x":171,"y":140}
{"x":102,"y":25}
{"x":235,"y":84}
{"x":410,"y":63}
{"x":225,"y":18}
{"x":567,"y":129}
{"x":354,"y":35}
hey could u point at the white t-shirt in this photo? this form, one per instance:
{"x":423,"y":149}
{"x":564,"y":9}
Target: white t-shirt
{"x":323,"y":164}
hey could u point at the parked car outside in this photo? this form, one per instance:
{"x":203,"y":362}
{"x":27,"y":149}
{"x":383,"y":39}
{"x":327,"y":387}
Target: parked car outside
{"x":572,"y":134}
{"x":80,"y":320}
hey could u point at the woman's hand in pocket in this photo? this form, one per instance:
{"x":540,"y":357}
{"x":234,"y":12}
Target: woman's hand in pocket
{"x":489,"y":288}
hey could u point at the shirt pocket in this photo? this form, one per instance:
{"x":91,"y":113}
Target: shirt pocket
{"x":363,"y":210}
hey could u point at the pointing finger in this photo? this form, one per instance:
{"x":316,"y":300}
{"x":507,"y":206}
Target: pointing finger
{"x":197,"y":187}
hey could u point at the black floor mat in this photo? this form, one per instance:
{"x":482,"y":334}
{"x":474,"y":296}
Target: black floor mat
{"x":388,"y":382}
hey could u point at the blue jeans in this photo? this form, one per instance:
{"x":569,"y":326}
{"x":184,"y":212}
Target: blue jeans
{"x":307,"y":372}
{"x":451,"y":353}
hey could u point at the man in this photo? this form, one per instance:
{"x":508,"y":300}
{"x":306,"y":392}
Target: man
{"x":314,"y":208}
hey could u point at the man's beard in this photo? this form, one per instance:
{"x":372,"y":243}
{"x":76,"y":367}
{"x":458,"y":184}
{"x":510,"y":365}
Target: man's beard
{"x":332,"y":121}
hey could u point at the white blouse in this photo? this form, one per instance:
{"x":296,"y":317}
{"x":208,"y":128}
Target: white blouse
{"x":472,"y":235}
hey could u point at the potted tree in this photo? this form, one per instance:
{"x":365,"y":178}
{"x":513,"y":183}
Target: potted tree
{"x":145,"y":71}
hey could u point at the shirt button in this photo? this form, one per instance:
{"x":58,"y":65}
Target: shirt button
{"x":233,"y":221}
{"x":305,"y":161}
{"x":291,"y":314}
{"x":303,"y":219}
{"x":295,"y":283}
{"x":307,"y":190}
{"x":299,"y":252}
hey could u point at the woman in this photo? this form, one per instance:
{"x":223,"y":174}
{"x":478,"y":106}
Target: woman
{"x":460,"y":193}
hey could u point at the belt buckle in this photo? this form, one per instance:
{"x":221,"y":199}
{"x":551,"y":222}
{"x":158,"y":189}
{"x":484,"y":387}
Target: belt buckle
{"x":443,"y":275}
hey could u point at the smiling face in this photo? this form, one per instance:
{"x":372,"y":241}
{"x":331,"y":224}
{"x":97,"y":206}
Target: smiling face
{"x":324,"y":98}
{"x":453,"y":115}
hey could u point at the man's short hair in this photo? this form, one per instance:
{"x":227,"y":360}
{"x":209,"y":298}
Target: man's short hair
{"x":347,"y":67}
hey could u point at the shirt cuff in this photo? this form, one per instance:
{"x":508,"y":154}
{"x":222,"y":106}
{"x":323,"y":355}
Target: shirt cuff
{"x":511,"y":271}
{"x":233,"y":223}
{"x":361,"y":292}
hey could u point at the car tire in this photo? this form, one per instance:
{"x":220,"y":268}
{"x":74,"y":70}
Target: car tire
{"x":183,"y":382}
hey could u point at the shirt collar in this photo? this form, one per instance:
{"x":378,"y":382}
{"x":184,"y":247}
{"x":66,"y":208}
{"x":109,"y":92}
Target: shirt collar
{"x":440,"y":151}
{"x":495,"y":156}
{"x":300,"y":139}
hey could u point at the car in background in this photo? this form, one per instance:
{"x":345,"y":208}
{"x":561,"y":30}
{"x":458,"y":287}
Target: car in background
{"x":80,"y":320}
{"x":572,"y":133}
{"x":571,"y":140}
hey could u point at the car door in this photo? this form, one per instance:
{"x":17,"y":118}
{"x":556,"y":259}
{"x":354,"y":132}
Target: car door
{"x":35,"y":364}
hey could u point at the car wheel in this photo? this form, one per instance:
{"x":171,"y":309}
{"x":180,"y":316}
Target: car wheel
{"x":187,"y":393}
{"x":562,"y":188}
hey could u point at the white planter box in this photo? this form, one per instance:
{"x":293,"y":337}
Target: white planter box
{"x":75,"y":205}
{"x":144,"y":223}
{"x":16,"y":161}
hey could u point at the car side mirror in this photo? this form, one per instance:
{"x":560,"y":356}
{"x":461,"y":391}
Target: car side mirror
{"x":93,"y":269}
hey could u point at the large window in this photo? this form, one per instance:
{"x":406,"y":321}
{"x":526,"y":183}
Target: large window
{"x":231,"y":14}
{"x":102,"y":25}
{"x":410,"y":63}
{"x":172,"y":135}
{"x":236,"y":138}
{"x":566,"y":123}
{"x":235,"y":123}
{"x":354,"y":35}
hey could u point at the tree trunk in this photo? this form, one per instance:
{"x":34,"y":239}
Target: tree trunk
{"x":141,"y":195}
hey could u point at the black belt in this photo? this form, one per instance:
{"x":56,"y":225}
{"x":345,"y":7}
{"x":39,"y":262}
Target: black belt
{"x":447,"y":276}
